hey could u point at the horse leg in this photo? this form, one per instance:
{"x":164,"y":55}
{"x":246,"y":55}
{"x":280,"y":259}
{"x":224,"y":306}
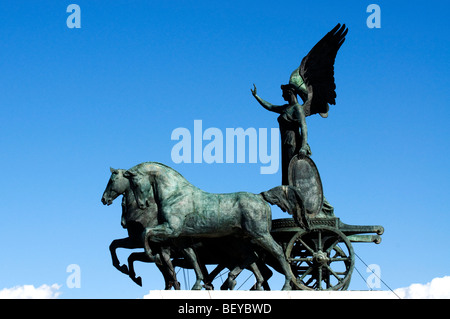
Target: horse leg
{"x":165,"y":267}
{"x":171,"y":280}
{"x":267,"y":242}
{"x":205,"y":273}
{"x":121,"y":243}
{"x":192,"y":257}
{"x":258,"y":276}
{"x":250,"y":263}
{"x":266,"y":273}
{"x":248,"y":258}
{"x":160,"y":232}
{"x":168,"y":280}
{"x":230,"y":283}
{"x":212,"y":275}
{"x":131,"y":259}
{"x":155,"y":234}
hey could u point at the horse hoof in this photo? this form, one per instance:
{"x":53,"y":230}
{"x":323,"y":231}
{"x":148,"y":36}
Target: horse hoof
{"x":257,"y":287}
{"x":137,"y":281}
{"x":123,"y":269}
{"x":197,"y":287}
{"x":287,"y":287}
{"x":229,"y":284}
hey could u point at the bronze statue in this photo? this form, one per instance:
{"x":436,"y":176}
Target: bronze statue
{"x":313,"y":81}
{"x":178,"y":224}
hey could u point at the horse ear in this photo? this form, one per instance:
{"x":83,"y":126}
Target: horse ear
{"x":112,"y":170}
{"x":129,"y":174}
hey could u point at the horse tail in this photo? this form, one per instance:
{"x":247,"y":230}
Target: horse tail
{"x":289,"y":199}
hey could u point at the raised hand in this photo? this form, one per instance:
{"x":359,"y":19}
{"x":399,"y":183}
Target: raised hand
{"x":253,"y":91}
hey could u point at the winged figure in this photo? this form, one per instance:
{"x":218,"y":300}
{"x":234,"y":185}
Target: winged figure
{"x":314,"y":82}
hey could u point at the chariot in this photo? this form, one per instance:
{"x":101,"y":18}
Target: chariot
{"x":322,"y":257}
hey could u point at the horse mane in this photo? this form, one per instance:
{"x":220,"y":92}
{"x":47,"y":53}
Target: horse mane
{"x":143,"y":167}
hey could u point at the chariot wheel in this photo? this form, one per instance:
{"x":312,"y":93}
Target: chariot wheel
{"x":321,"y":258}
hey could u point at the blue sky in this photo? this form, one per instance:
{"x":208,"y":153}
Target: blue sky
{"x":76,"y":101}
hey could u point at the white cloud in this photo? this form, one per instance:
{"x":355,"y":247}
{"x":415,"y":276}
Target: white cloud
{"x":30,"y":292}
{"x":438,"y":288}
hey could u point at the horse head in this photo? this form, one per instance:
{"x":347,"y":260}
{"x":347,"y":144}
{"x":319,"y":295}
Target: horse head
{"x":153,"y":182}
{"x":117,"y":185}
{"x":141,"y":186}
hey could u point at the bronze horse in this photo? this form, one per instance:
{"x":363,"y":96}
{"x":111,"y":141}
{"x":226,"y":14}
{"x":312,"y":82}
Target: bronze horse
{"x":234,"y":254}
{"x":186,"y":211}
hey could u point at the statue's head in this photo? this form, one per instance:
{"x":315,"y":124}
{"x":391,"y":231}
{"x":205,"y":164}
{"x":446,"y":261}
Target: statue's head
{"x":297,"y":83}
{"x":289,"y":92}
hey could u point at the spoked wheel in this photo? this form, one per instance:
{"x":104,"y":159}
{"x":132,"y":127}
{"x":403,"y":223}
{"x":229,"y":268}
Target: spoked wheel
{"x":321,"y":259}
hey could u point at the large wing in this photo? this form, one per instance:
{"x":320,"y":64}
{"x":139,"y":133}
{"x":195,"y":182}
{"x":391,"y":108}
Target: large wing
{"x":317,"y":71}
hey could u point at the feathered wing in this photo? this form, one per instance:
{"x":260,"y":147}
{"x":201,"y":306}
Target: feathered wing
{"x":317,"y":72}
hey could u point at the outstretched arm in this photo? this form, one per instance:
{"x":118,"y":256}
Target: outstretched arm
{"x":267,"y":105}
